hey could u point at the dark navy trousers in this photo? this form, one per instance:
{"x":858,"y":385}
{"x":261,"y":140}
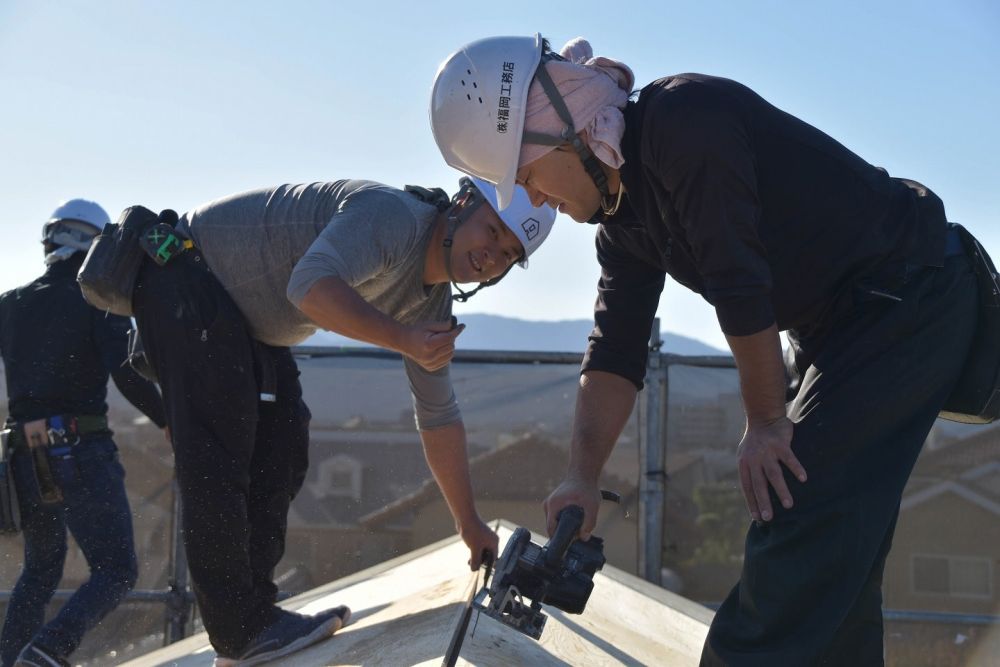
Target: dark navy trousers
{"x":96,"y":511}
{"x":867,"y":390}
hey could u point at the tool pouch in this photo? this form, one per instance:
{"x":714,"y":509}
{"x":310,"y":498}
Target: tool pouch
{"x":10,"y":512}
{"x":36,"y":435}
{"x":107,"y":277}
{"x":976,"y":397}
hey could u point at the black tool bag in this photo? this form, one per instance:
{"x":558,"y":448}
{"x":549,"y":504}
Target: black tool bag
{"x":10,"y":512}
{"x":976,"y":397}
{"x":109,"y":272}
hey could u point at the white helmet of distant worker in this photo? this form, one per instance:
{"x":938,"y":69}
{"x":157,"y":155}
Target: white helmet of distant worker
{"x":478,"y":105}
{"x":72,"y":227}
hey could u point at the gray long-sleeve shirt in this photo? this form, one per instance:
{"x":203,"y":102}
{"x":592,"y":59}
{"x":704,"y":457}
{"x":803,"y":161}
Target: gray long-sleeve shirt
{"x":269,"y":246}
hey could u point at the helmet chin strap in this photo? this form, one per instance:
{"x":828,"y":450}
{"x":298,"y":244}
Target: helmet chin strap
{"x":465,"y":203}
{"x":464,"y":296}
{"x":446,"y":244}
{"x":568,"y":135}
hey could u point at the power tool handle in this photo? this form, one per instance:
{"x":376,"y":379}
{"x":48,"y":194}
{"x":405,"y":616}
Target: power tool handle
{"x":570,"y":519}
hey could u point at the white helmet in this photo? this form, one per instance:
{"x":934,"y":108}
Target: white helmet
{"x":72,"y":227}
{"x":530,"y":224}
{"x":478,"y":104}
{"x":79,"y":210}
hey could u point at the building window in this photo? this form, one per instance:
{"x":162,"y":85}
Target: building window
{"x":339,"y":477}
{"x":956,"y":576}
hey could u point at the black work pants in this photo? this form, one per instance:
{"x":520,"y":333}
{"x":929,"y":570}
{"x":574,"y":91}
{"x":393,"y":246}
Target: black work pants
{"x":239,"y":461}
{"x":868,"y":390}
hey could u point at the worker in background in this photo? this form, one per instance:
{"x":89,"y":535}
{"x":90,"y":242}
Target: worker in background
{"x":58,"y":353}
{"x":262,"y":270}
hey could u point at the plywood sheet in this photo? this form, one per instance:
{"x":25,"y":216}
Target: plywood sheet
{"x":405,"y":612}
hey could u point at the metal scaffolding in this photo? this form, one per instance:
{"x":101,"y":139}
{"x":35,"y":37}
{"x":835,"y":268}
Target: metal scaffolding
{"x":178,"y":600}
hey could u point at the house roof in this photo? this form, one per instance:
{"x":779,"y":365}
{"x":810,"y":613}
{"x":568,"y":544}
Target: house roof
{"x":981,"y":447}
{"x":936,"y":490}
{"x":969,"y":467}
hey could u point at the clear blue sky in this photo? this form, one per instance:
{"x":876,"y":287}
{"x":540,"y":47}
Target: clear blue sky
{"x":170,"y":104}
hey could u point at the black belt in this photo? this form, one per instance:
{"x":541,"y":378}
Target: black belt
{"x":68,"y":428}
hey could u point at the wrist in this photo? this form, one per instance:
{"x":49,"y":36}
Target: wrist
{"x":765,"y":419}
{"x":581,"y":474}
{"x":396,"y":336}
{"x":467,"y":520}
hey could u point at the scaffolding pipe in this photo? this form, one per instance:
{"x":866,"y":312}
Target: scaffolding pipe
{"x":651,"y":456}
{"x":179,"y":598}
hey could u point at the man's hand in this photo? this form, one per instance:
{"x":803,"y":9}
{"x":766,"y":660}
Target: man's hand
{"x":479,"y":537}
{"x":764,"y":448}
{"x":573,"y":492}
{"x":431,"y":344}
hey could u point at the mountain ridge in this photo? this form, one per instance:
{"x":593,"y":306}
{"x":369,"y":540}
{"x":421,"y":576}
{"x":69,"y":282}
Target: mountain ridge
{"x":495,"y":332}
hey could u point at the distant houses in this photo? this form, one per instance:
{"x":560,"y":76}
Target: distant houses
{"x":946,"y":552}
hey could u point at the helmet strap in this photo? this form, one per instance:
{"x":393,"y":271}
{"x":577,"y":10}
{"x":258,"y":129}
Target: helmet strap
{"x":568,"y":135}
{"x":436,"y":197}
{"x":446,"y":243}
{"x":464,"y":296}
{"x":463,"y":205}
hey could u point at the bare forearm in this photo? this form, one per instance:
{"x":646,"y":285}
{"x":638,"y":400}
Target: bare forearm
{"x":447,"y":456}
{"x":762,"y":375}
{"x":603,"y":405}
{"x":336,"y":306}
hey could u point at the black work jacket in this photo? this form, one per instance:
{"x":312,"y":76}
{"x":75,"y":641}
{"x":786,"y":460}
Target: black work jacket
{"x":766,"y":217}
{"x":58,"y":351}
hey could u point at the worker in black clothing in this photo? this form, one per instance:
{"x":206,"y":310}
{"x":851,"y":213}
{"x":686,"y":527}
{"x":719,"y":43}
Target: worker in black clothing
{"x":58,"y":353}
{"x":779,"y":227}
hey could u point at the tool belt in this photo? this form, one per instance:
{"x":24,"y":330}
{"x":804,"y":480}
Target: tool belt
{"x":41,"y":438}
{"x":108,"y":274}
{"x":976,"y":397}
{"x":62,"y":430}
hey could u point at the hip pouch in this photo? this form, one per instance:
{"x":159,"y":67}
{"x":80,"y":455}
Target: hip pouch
{"x":41,"y":436}
{"x":107,"y":277}
{"x":10,"y":511}
{"x":976,"y":397}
